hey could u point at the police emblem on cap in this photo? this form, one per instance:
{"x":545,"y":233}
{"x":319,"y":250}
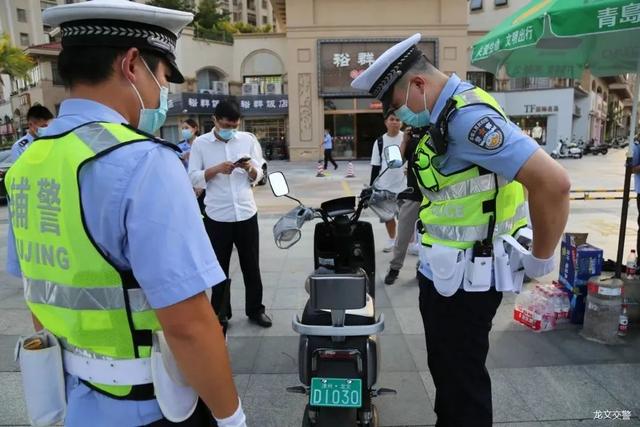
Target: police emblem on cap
{"x":160,"y":43}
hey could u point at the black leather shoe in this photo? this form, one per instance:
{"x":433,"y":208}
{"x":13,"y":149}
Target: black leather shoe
{"x":392,"y":275}
{"x":262,"y":320}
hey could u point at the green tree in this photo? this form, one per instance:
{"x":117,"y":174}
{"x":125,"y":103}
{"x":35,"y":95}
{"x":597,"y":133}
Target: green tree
{"x":210,"y":14}
{"x":13,"y":61}
{"x":183,"y":5}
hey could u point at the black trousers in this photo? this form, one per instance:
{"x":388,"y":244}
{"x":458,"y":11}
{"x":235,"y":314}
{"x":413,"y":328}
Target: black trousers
{"x":328,"y":157}
{"x":201,"y":418}
{"x":245,"y":236}
{"x":457,"y":334}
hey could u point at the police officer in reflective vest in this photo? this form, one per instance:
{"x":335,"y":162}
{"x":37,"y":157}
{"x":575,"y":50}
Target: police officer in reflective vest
{"x":108,"y":271}
{"x":471,"y":167}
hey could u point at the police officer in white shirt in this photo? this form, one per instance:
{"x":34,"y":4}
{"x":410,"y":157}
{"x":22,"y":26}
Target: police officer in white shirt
{"x":226,"y":162}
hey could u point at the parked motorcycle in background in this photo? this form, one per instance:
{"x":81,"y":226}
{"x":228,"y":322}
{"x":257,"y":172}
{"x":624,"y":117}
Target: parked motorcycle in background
{"x":592,"y":148}
{"x":566,"y":150}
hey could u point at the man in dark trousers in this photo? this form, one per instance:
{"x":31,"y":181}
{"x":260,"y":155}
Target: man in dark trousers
{"x":472,"y":167}
{"x":227,"y":162}
{"x":327,"y":145}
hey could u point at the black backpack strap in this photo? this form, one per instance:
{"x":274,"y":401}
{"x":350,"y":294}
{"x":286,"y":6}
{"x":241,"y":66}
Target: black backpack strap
{"x":380,"y":142}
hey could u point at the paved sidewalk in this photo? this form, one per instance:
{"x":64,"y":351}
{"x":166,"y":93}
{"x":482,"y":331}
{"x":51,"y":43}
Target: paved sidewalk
{"x":552,"y":379}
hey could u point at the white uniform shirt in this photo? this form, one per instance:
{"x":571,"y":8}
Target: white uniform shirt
{"x":229,"y":198}
{"x":393,"y":180}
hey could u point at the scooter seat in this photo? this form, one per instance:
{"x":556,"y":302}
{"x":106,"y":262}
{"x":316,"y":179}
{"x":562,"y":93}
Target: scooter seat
{"x":359,"y":317}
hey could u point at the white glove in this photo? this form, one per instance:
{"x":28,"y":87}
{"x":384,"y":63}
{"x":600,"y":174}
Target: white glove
{"x":536,"y":267}
{"x":236,"y":420}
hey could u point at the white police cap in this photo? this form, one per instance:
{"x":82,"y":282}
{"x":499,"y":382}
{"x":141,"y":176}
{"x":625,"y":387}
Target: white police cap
{"x":380,"y":77}
{"x":120,"y":23}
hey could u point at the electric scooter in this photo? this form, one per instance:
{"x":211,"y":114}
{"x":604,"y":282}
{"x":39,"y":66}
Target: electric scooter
{"x":564,"y":150}
{"x":592,"y":148}
{"x":339,"y":353}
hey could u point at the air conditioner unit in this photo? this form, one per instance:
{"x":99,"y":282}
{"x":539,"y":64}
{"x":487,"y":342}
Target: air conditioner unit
{"x":250,"y":89}
{"x":206,"y":91}
{"x":274,"y":89}
{"x":220,"y":88}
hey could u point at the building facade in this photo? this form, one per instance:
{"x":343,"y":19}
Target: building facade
{"x":328,"y":42}
{"x":587,"y":109}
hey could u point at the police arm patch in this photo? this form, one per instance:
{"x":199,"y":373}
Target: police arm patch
{"x":486,"y":134}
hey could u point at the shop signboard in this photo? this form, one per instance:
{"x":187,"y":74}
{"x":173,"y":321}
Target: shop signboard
{"x":250,"y":106}
{"x":342,"y":60}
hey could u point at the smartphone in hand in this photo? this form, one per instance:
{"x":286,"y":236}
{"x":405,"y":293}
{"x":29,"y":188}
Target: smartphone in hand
{"x":242,"y":160}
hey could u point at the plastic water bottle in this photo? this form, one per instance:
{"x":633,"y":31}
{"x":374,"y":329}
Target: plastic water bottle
{"x":623,"y":324}
{"x":631,"y":265}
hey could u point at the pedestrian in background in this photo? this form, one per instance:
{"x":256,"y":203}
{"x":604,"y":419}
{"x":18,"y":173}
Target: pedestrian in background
{"x":409,"y":202}
{"x":327,"y":145}
{"x":226,"y":162}
{"x":38,"y":118}
{"x":189,"y":132}
{"x":393,"y":180}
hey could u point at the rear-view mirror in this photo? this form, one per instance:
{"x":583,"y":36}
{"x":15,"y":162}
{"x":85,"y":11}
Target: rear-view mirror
{"x":278,"y":184}
{"x":392,"y":156}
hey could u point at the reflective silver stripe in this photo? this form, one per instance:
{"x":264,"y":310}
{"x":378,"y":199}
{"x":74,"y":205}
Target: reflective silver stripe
{"x":65,"y":296}
{"x":466,"y":188}
{"x":138,"y":301}
{"x":81,"y":351}
{"x":465,"y":233}
{"x":471,"y":97}
{"x":97,"y":137}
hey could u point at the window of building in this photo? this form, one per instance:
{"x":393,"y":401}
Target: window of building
{"x":481,"y":79}
{"x":24,"y":39}
{"x":69,"y":1}
{"x":264,"y":4}
{"x":170,"y":133}
{"x":475,"y":4}
{"x":57,"y":80}
{"x":237,"y":16}
{"x":251,"y":4}
{"x":206,"y":78}
{"x":502,"y":2}
{"x":265,"y":20}
{"x":251,"y":19}
{"x":45,"y":4}
{"x":22,"y":15}
{"x":268,"y":85}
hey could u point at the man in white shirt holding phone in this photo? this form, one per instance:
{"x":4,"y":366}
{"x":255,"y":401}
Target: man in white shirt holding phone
{"x":227,"y":162}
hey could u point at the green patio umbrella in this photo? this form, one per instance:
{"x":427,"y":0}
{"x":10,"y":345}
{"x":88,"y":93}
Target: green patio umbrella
{"x":562,"y":38}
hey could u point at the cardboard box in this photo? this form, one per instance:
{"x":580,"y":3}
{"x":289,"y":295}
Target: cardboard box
{"x":578,"y":260}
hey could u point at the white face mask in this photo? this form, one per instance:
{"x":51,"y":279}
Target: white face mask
{"x":152,"y":119}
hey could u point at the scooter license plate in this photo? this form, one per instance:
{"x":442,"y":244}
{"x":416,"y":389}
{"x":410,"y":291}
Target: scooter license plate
{"x":336,"y":392}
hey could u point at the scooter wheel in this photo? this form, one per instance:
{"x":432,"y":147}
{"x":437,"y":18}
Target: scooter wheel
{"x":554,"y":156}
{"x":374,"y":417}
{"x":605,"y":151}
{"x":306,"y":422}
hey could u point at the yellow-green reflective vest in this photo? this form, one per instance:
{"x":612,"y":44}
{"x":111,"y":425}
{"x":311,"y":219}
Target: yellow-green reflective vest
{"x":75,"y":292}
{"x":457,"y":208}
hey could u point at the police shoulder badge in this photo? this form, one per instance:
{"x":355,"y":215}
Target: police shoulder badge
{"x":486,"y":134}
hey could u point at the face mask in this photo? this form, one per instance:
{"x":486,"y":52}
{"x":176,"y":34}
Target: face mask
{"x":226,"y":134}
{"x":187,"y":134}
{"x":410,"y":118}
{"x":151,"y":119}
{"x":40,"y":131}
